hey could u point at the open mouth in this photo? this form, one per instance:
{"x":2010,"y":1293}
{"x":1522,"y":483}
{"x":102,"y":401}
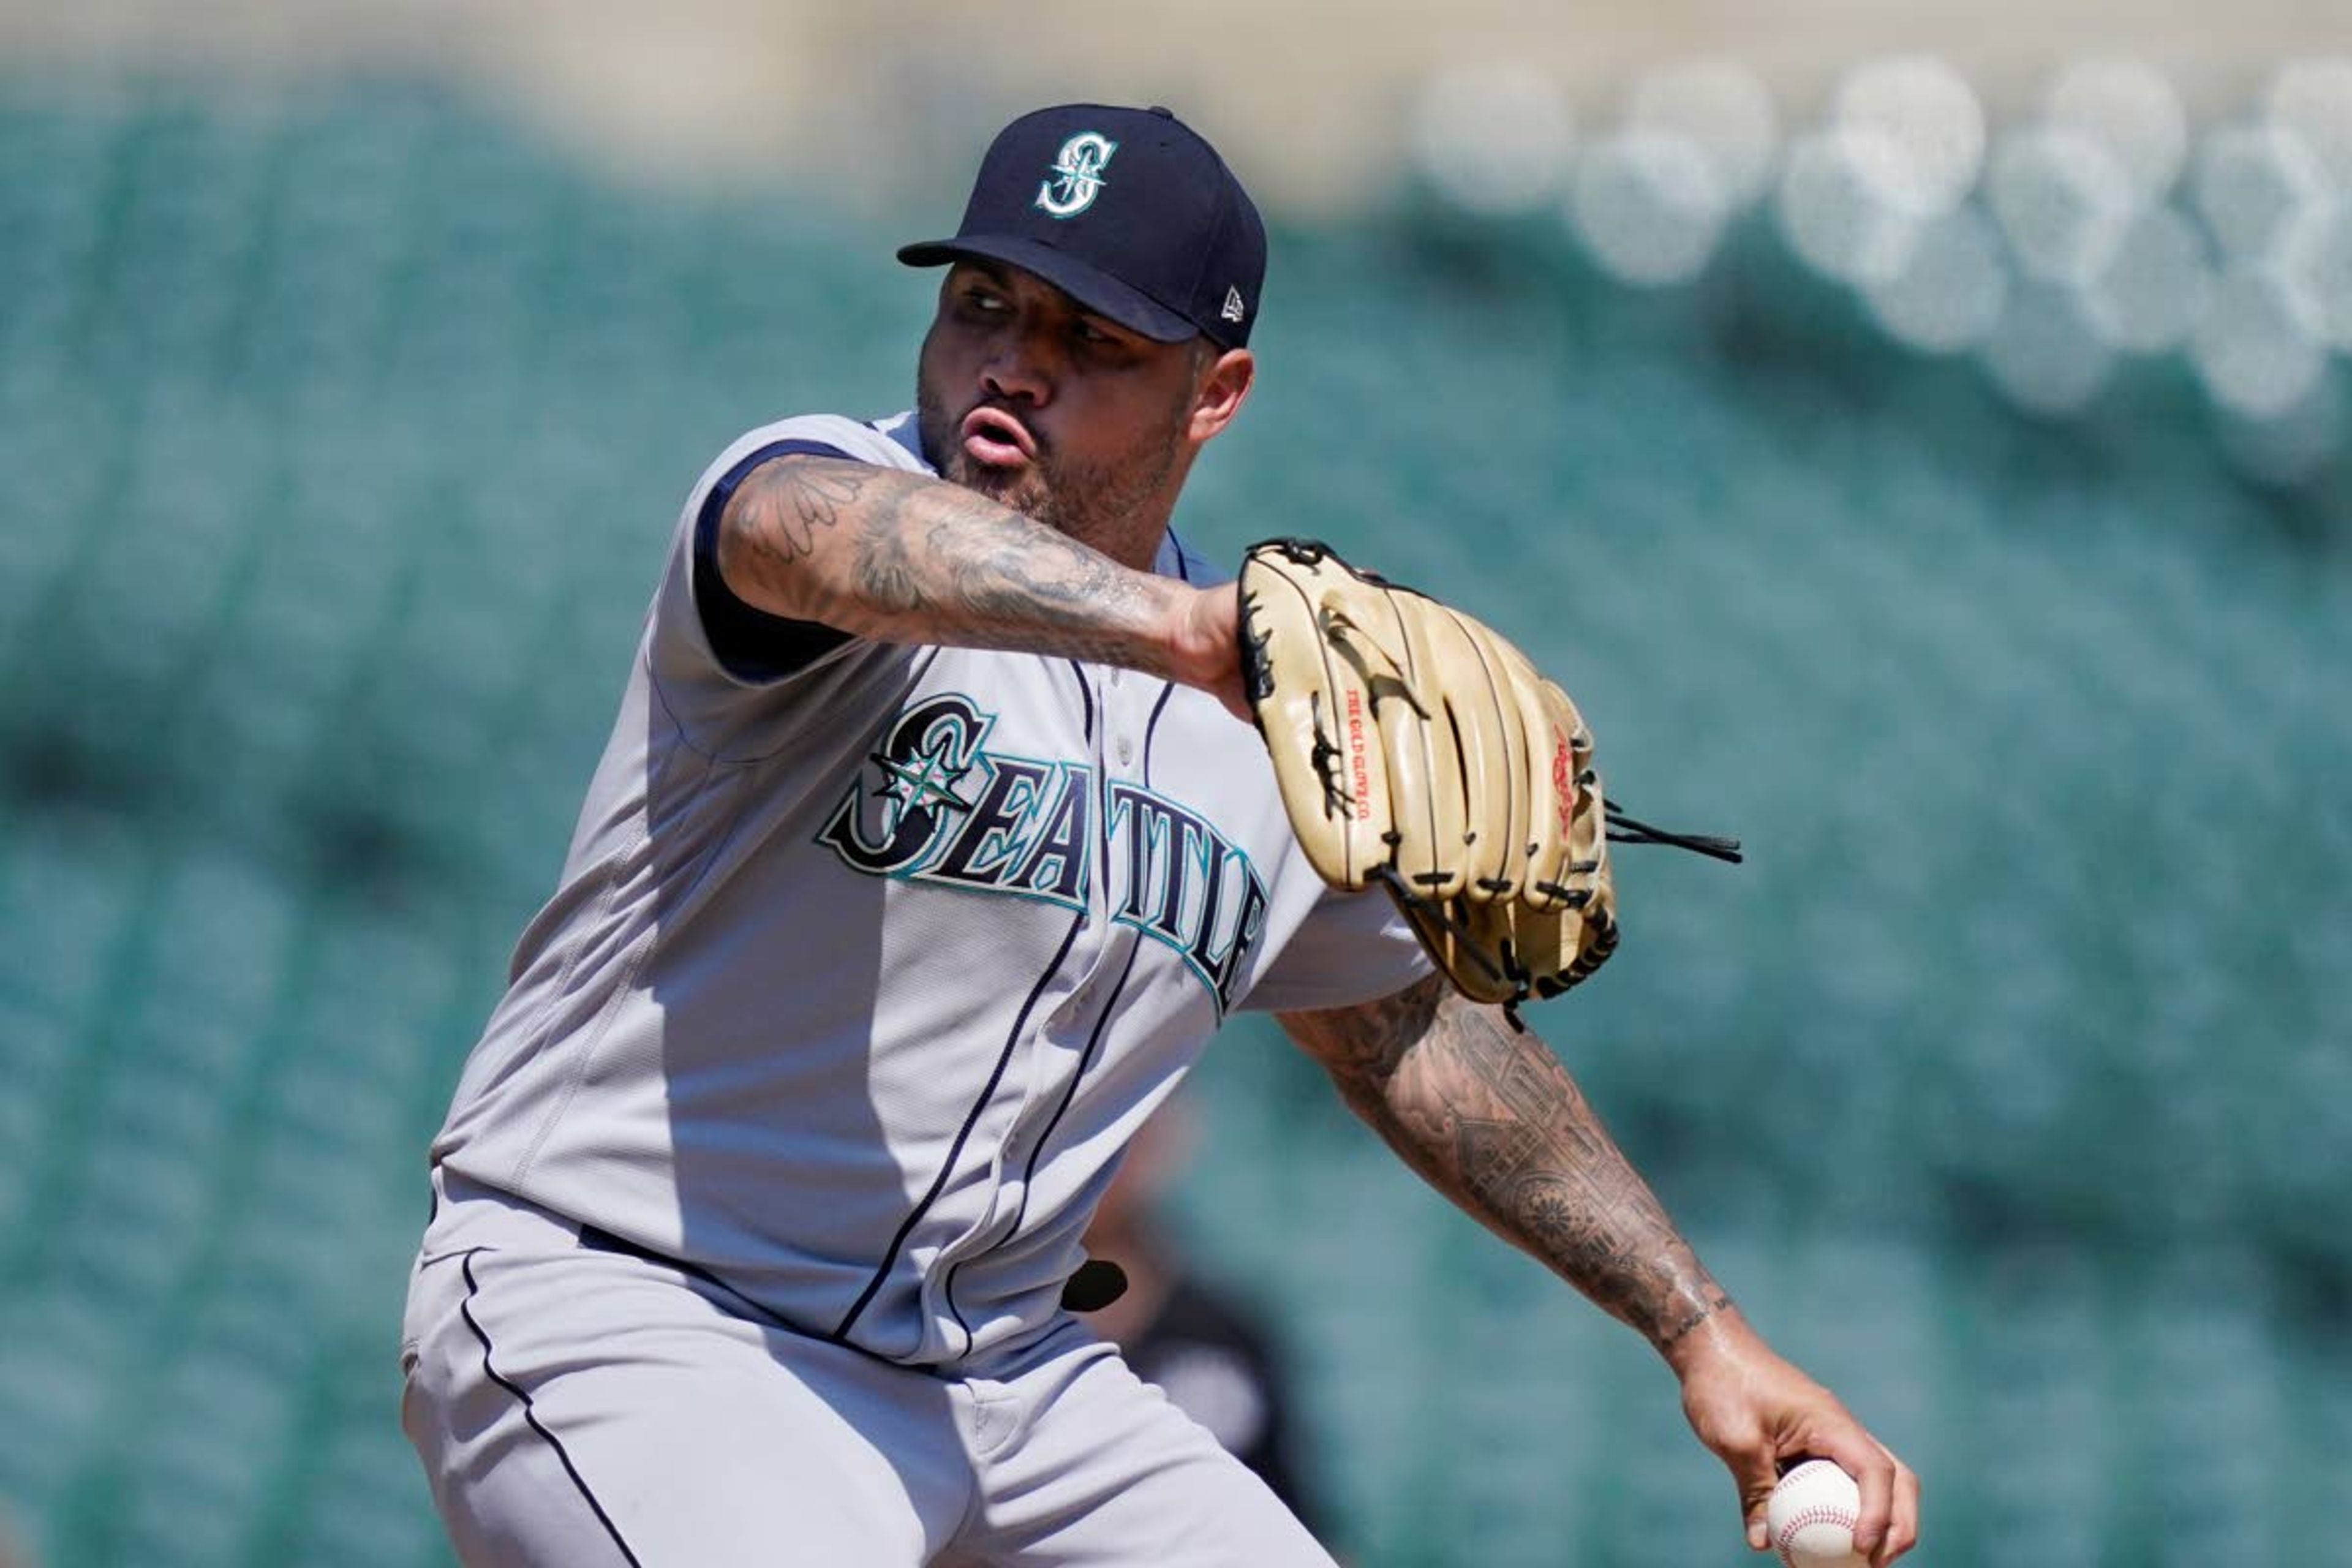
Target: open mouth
{"x":996,"y":439}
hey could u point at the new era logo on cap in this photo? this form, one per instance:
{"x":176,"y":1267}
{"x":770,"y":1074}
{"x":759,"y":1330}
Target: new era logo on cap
{"x":1127,"y":210}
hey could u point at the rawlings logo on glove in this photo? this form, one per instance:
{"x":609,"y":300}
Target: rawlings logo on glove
{"x":1417,"y":750}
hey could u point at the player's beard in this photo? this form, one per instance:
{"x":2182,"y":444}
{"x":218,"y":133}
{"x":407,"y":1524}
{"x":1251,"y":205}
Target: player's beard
{"x":1105,"y":504}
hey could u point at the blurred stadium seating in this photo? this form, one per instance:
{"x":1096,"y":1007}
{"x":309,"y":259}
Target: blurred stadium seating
{"x":2010,"y":1085}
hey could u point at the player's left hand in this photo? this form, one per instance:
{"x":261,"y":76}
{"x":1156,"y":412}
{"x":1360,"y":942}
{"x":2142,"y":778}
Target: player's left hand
{"x":1761,"y":1415}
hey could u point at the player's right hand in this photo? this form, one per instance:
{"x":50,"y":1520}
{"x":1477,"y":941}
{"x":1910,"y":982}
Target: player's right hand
{"x":1761,"y":1415}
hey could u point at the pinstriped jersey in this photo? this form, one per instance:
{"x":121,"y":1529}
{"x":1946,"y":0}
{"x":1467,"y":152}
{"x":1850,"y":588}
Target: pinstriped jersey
{"x":857,"y":979}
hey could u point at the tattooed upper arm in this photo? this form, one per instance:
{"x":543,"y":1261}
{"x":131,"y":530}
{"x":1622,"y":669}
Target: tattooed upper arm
{"x":785,"y":512}
{"x":907,"y":557}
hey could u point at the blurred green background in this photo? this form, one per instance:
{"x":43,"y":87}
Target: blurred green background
{"x":2008,"y":1085}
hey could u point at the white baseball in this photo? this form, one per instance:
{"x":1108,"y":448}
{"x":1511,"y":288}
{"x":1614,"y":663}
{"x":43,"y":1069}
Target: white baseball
{"x":1812,"y":1517}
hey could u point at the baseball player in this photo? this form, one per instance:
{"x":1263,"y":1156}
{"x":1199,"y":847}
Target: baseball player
{"x":930,"y":846}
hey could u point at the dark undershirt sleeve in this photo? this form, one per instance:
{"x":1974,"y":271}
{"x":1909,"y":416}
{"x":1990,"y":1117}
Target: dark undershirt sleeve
{"x":751,"y":645}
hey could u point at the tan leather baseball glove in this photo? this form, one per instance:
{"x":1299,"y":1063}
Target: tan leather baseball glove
{"x":1417,"y":749}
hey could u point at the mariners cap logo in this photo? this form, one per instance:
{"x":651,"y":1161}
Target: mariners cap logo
{"x":1078,"y":170}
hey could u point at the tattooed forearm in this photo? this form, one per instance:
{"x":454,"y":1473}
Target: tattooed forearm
{"x":1490,"y":1118}
{"x":904,"y":558}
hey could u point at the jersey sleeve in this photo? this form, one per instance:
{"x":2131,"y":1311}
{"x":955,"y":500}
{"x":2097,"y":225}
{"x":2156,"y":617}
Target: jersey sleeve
{"x":1351,"y":948}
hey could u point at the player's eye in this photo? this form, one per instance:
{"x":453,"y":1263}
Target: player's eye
{"x":983,"y":302}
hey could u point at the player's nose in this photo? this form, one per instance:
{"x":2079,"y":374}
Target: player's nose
{"x":1018,"y":365}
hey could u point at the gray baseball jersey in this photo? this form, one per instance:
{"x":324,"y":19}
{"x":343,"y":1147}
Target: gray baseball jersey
{"x":859,"y":977}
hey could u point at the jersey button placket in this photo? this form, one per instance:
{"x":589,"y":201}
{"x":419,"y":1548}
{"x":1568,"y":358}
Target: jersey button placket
{"x":1057,"y":1051}
{"x":1051,"y":1056}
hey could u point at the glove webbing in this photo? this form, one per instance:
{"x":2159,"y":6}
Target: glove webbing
{"x":1624,"y":828}
{"x":1636,"y":831}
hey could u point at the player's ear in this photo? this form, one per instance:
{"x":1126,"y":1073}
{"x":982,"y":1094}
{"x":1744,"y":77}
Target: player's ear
{"x":1222,"y":385}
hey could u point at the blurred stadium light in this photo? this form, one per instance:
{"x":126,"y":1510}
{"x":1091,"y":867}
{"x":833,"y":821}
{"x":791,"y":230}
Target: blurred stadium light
{"x":2310,"y":100}
{"x":2252,"y":180}
{"x":2044,"y":352}
{"x":2128,"y":108}
{"x":2063,"y":201}
{"x":1835,"y":207}
{"x":1651,"y":205}
{"x":1722,"y":108}
{"x":2251,"y":349}
{"x":2154,"y":288}
{"x":1951,"y":290}
{"x":1495,"y":139}
{"x":1929,"y":118}
{"x":2084,"y":257}
{"x":2315,"y":267}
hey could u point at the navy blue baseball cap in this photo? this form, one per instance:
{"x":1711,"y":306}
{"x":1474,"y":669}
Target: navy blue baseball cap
{"x":1126,"y":210}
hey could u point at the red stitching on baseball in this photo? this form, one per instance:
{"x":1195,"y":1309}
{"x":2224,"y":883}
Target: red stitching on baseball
{"x":1814,"y":1514}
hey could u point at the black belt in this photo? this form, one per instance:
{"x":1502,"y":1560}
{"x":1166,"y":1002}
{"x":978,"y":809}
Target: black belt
{"x":1097,"y":1283}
